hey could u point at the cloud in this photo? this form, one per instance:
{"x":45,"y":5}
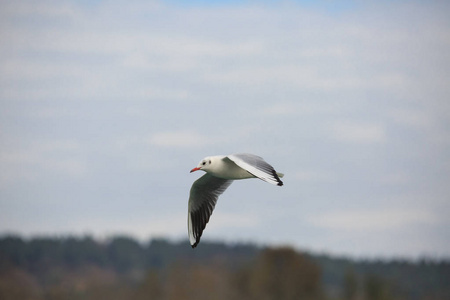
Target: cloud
{"x":399,"y":178}
{"x":296,"y":60}
{"x":179,"y":139}
{"x":233,"y":220}
{"x":364,"y":133}
{"x":411,"y":118}
{"x":35,"y":161}
{"x":101,"y":226}
{"x":109,"y":91}
{"x":372,"y":220}
{"x":44,"y":9}
{"x":315,"y":176}
{"x":173,"y":225}
{"x":298,"y":108}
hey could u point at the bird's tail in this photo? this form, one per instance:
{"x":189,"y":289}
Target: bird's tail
{"x":280,"y":174}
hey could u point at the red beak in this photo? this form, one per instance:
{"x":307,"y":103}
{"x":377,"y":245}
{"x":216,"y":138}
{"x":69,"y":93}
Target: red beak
{"x":194,"y":169}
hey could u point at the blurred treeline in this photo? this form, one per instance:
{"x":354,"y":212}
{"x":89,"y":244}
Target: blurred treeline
{"x":122,"y":268}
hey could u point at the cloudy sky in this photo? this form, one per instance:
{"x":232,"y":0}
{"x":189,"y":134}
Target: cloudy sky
{"x":107,"y":105}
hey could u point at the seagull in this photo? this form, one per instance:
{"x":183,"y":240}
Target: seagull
{"x":220,"y":172}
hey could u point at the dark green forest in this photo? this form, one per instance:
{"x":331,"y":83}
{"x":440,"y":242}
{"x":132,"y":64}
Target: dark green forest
{"x":123,"y":268}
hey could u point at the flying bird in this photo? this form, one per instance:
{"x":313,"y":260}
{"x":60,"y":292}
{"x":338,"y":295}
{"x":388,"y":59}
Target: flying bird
{"x":220,"y":172}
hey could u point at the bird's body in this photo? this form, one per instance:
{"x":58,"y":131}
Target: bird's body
{"x":223,"y":167}
{"x":220,"y":172}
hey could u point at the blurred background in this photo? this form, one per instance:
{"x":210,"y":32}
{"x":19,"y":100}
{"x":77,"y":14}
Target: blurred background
{"x":107,"y":105}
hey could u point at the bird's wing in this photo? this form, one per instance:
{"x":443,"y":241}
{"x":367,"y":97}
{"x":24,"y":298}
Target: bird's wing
{"x":202,"y":199}
{"x":256,"y":166}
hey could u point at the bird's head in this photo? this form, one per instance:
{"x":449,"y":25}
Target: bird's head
{"x":204,"y":165}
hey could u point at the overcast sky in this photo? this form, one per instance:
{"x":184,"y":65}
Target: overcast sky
{"x":107,"y":105}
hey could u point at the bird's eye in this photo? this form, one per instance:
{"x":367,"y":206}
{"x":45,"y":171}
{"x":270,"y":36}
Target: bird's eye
{"x":204,"y":163}
{"x":209,"y":161}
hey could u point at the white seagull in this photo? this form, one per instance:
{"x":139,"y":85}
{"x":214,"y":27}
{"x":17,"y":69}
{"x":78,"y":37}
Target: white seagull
{"x":220,"y":171}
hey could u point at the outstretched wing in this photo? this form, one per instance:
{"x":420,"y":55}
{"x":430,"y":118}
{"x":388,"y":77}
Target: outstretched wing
{"x":202,"y":199}
{"x":256,"y":166}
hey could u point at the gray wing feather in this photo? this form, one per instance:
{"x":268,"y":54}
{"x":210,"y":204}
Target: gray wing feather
{"x":257,"y":166}
{"x":202,"y":199}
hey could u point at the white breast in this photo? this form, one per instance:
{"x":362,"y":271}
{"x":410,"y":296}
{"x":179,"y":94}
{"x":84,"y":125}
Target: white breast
{"x":226,"y":169}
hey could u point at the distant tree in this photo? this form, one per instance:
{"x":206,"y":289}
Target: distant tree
{"x":125,"y":254}
{"x":80,"y":251}
{"x":151,"y":287}
{"x":43,"y":254}
{"x":84,"y":268}
{"x":281,"y":274}
{"x":197,"y":282}
{"x":12,"y":252}
{"x":377,"y":288}
{"x":18,"y":285}
{"x":350,"y":288}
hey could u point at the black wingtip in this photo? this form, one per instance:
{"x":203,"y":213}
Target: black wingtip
{"x":274,"y":173}
{"x":195,"y":244}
